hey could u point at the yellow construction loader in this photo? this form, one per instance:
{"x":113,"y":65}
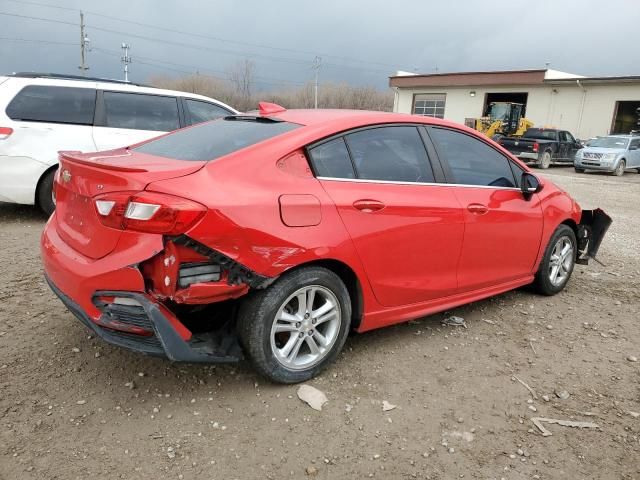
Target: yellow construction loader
{"x":504,"y":119}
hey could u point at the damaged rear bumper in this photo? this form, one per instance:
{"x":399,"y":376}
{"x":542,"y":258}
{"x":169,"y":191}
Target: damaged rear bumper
{"x":591,"y":231}
{"x":140,"y":324}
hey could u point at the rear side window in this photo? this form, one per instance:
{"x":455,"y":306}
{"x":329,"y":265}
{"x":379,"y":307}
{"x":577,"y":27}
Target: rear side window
{"x":390,"y":154}
{"x":212,"y":140}
{"x":331,"y":159}
{"x":40,"y":103}
{"x":471,"y":161}
{"x":204,"y":111}
{"x":141,"y":112}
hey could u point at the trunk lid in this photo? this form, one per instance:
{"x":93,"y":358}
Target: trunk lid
{"x":83,"y":176}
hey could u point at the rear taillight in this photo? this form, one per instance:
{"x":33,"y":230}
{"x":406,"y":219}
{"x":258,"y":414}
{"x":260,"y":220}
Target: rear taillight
{"x":5,"y":132}
{"x":536,"y":147}
{"x":148,"y":212}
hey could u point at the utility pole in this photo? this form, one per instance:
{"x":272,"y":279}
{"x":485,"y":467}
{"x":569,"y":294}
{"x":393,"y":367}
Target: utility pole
{"x":316,"y":66}
{"x":84,"y":45}
{"x":126,"y":60}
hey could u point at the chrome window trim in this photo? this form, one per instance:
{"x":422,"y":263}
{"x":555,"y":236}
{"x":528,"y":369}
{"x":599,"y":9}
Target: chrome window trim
{"x":391,"y":182}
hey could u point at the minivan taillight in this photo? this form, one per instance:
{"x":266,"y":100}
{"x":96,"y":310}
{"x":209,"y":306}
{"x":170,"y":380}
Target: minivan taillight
{"x":148,"y":212}
{"x":5,"y":132}
{"x":536,"y":146}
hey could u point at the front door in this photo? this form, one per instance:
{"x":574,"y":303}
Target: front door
{"x":634,"y":153}
{"x":567,"y":147}
{"x":406,"y":229}
{"x":503,"y":230}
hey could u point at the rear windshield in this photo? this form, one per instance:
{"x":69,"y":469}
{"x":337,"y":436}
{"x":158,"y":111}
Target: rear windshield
{"x":541,"y":134}
{"x":214,"y":139}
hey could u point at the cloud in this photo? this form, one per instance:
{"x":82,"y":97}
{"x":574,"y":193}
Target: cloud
{"x":361,"y":42}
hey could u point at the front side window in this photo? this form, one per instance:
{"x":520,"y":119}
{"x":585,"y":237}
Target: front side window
{"x":429,"y":105}
{"x":212,"y":140}
{"x":141,"y":112}
{"x":390,"y":154}
{"x":204,"y":111}
{"x":566,"y":137}
{"x":41,"y":103}
{"x":471,"y":161}
{"x":331,"y":159}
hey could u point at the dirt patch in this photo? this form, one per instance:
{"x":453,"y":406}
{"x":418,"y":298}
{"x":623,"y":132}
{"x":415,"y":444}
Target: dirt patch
{"x":68,"y":409}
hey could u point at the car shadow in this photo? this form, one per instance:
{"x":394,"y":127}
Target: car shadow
{"x":12,"y":212}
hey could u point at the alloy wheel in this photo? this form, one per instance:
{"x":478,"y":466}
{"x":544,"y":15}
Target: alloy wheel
{"x":305,"y":327}
{"x":561,"y":261}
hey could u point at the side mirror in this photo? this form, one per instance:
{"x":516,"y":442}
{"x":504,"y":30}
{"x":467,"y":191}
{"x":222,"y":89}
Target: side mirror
{"x":634,"y":147}
{"x":530,"y":184}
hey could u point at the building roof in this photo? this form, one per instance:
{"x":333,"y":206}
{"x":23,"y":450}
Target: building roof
{"x":492,"y":78}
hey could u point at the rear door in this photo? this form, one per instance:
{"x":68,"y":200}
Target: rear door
{"x":502,"y":229}
{"x":406,"y":228}
{"x":125,"y":118}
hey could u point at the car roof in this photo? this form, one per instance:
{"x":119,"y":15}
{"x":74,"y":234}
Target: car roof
{"x":105,"y":84}
{"x":318,"y":117}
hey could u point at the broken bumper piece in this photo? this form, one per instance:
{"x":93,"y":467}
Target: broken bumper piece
{"x":134,"y":321}
{"x":591,"y":231}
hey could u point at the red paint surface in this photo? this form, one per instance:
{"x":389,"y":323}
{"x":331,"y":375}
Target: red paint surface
{"x":300,"y":210}
{"x":415,"y":249}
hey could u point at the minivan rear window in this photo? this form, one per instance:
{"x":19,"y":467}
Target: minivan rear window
{"x":214,"y":139}
{"x":41,"y":103}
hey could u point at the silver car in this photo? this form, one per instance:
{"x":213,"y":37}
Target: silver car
{"x":615,"y":154}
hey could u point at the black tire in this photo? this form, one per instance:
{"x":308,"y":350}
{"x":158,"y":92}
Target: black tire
{"x":258,"y":312}
{"x":542,"y":282}
{"x":45,"y":193}
{"x":545,"y":160}
{"x":579,"y":170}
{"x":619,"y":171}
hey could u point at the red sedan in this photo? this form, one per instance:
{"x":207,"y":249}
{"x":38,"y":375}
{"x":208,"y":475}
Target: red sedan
{"x":274,"y":235}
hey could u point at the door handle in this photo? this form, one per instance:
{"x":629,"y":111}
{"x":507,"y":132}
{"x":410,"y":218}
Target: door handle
{"x":368,"y":206}
{"x":478,"y":208}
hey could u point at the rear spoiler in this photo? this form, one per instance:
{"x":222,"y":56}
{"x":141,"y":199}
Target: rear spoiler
{"x":591,"y":230}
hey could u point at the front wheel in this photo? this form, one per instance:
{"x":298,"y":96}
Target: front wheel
{"x":557,"y":264}
{"x":579,"y":170}
{"x":46,"y":198}
{"x":296,"y":327}
{"x":619,"y":171}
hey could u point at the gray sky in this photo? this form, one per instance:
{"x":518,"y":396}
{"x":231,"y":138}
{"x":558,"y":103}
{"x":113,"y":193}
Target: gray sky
{"x":360,"y":41}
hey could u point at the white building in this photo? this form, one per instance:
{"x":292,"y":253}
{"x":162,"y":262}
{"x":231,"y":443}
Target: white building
{"x":586,"y":106}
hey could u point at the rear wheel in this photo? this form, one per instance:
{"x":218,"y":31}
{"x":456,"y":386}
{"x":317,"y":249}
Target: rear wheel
{"x":579,"y":170}
{"x":545,"y":161}
{"x":619,"y":171}
{"x":46,"y":199}
{"x":296,"y":327}
{"x":557,"y":264}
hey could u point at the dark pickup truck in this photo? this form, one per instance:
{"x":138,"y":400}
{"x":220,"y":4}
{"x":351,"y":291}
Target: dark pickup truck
{"x":543,"y":146}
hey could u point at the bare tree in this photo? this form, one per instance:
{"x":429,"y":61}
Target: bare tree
{"x":241,"y":76}
{"x":237,"y":91}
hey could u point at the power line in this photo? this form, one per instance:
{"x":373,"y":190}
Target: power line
{"x":208,"y":37}
{"x":31,"y":40}
{"x":156,"y":62}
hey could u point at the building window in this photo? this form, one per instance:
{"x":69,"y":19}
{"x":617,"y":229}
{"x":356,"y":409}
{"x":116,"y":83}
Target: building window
{"x":429,"y":105}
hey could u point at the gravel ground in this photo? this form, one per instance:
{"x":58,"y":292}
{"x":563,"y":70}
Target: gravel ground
{"x":74,"y":407}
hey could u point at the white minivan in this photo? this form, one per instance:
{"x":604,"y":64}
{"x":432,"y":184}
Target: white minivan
{"x":41,"y":114}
